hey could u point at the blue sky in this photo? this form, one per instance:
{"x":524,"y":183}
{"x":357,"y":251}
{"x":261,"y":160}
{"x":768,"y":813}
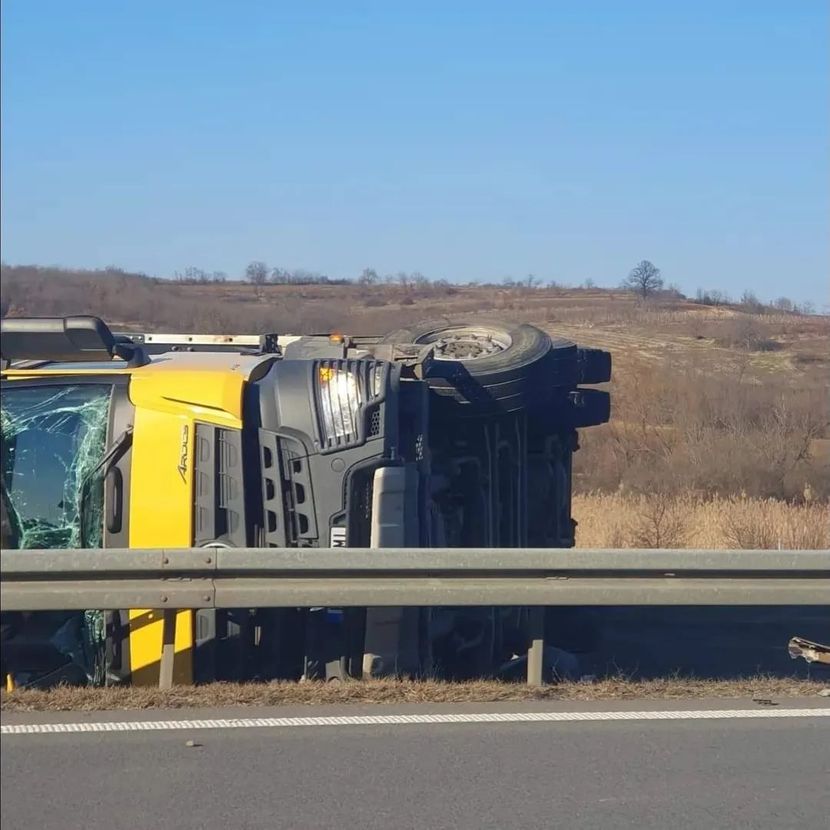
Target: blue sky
{"x":463,"y":140}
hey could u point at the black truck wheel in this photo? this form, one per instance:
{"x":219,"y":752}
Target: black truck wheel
{"x":489,"y":367}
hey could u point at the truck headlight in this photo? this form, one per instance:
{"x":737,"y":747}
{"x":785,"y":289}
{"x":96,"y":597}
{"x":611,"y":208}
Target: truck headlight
{"x":340,"y":398}
{"x":346,"y":392}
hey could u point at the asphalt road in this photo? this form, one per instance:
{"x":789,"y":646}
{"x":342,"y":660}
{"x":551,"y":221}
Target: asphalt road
{"x":770,"y":773}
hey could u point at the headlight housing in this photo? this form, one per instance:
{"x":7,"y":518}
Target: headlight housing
{"x":340,"y":402}
{"x":343,"y":389}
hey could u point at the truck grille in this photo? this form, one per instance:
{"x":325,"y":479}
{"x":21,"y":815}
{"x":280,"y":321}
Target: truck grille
{"x":219,"y":500}
{"x":288,"y":509}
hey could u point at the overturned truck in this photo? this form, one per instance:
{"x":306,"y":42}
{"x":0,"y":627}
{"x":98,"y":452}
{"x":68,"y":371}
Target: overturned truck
{"x":440,"y":435}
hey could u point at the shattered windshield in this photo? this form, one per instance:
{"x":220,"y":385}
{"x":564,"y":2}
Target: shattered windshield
{"x":53,"y":439}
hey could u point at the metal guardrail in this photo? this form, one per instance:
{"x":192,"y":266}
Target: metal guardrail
{"x":41,"y":580}
{"x":38,"y":580}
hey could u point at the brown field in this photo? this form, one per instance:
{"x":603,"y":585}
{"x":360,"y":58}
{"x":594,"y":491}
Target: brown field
{"x":614,"y":520}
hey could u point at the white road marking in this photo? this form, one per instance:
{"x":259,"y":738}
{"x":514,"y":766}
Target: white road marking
{"x":404,"y":720}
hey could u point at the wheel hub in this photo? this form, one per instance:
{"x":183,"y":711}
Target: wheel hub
{"x":467,"y":343}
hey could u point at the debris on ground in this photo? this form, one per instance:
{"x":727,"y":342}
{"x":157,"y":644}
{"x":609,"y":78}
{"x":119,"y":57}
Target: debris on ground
{"x":810,"y":651}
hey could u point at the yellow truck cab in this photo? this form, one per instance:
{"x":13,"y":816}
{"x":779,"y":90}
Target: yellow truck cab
{"x":440,"y":435}
{"x":103,"y":446}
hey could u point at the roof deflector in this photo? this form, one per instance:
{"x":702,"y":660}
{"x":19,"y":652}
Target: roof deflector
{"x":61,"y":339}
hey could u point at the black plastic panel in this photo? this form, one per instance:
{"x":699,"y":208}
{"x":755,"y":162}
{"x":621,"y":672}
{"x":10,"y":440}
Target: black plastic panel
{"x":218,"y":500}
{"x":56,"y":338}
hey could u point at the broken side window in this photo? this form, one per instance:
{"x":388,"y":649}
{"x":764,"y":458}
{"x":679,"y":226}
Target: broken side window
{"x":52,"y":441}
{"x":53,"y":438}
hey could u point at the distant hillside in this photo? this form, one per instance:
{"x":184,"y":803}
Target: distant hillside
{"x":709,"y":397}
{"x":215,"y":306}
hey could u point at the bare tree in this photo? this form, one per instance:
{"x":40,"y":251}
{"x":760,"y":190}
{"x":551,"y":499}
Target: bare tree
{"x":710,"y":297}
{"x":193,"y":274}
{"x":368,"y":277}
{"x":645,"y":279}
{"x":751,"y":303}
{"x":660,"y":523}
{"x":256,"y":273}
{"x":418,"y":280}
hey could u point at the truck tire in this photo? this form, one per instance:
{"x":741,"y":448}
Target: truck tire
{"x":492,"y":367}
{"x":594,"y":365}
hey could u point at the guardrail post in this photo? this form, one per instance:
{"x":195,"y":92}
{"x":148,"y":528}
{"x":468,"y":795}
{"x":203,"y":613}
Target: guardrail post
{"x":168,"y":648}
{"x":536,"y":652}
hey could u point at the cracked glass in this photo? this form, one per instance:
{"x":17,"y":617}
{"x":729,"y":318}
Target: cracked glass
{"x":53,"y":439}
{"x":52,"y":442}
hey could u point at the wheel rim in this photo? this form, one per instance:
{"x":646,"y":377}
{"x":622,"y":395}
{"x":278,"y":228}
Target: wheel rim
{"x":466,"y":342}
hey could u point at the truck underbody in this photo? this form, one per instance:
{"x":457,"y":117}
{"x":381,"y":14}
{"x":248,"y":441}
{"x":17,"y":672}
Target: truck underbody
{"x":442,"y":435}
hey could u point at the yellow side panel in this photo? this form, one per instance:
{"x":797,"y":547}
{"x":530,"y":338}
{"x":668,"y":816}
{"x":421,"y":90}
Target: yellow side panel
{"x":161,"y":493}
{"x":161,"y":482}
{"x":145,"y":647}
{"x":160,"y":513}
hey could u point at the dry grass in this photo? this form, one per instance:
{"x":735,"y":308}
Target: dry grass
{"x":395,"y":692}
{"x":687,"y":521}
